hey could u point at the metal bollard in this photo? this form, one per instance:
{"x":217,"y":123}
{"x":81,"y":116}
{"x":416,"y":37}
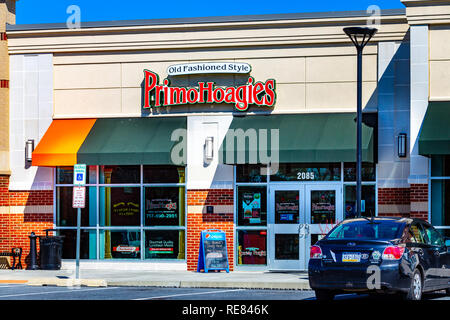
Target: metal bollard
{"x":33,"y":254}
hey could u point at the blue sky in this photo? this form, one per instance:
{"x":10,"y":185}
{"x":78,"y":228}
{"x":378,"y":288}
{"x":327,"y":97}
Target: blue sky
{"x":49,"y":11}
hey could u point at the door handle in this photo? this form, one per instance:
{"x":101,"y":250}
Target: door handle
{"x":303,"y":234}
{"x":299,"y":230}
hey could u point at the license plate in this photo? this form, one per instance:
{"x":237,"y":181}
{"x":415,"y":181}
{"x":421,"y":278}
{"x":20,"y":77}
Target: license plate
{"x":351,"y":257}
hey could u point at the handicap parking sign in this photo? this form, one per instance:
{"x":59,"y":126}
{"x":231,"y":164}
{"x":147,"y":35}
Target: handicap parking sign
{"x":79,"y":174}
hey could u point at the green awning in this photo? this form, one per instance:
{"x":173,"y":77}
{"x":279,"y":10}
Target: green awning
{"x":321,"y":137}
{"x":434,"y":136}
{"x":131,"y":141}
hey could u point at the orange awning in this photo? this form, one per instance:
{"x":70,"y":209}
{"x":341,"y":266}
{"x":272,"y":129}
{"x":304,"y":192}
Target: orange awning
{"x":61,"y":142}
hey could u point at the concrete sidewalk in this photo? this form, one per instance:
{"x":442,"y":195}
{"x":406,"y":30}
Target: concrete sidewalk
{"x":186,"y":279}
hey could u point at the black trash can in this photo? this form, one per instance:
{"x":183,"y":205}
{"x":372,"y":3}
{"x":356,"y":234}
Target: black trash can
{"x":51,"y":251}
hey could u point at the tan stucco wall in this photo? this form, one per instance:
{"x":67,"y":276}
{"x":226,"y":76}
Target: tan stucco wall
{"x":98,"y":71}
{"x":304,"y":83}
{"x":423,"y":12}
{"x":439,"y":56}
{"x":7,"y":15}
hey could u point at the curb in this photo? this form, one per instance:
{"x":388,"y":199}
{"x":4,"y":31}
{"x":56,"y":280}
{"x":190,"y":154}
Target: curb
{"x":67,"y":282}
{"x":213,"y":284}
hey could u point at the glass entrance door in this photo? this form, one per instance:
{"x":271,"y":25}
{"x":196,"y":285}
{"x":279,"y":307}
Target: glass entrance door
{"x":323,"y":210}
{"x":286,"y":216}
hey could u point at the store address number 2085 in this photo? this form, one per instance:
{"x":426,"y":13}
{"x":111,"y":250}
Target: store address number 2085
{"x":305,"y":176}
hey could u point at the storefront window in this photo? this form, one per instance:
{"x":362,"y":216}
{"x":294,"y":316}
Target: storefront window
{"x":440,"y":202}
{"x":250,"y":173}
{"x":120,"y":206}
{"x":308,"y":172}
{"x":252,"y":247}
{"x":88,"y":244}
{"x":164,"y":244}
{"x":120,"y":174}
{"x":440,"y":193}
{"x":367,"y":197}
{"x":164,"y":206}
{"x":120,"y":244}
{"x":252,"y":205}
{"x":64,"y":175}
{"x":66,"y":215}
{"x":367,"y":171}
{"x":440,"y":166}
{"x":164,"y":174}
{"x":120,"y":210}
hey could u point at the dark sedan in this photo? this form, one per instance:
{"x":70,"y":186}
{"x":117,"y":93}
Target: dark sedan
{"x":380,"y":255}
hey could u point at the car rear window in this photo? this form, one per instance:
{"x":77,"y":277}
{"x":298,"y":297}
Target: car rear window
{"x":367,"y":230}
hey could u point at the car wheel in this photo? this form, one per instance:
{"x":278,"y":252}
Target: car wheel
{"x":415,"y":291}
{"x":324,"y":295}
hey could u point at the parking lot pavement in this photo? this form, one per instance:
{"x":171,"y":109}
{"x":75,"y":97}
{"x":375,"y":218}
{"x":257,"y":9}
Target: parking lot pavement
{"x":25,"y":292}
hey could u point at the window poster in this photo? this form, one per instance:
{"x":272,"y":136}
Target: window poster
{"x":251,"y":204}
{"x":252,"y":247}
{"x":162,"y":244}
{"x":323,"y":206}
{"x":287,"y":206}
{"x":125,"y":206}
{"x":125,"y":244}
{"x":161,"y":206}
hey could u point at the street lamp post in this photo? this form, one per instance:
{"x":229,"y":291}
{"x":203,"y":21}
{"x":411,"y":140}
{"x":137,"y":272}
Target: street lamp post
{"x":360,"y":37}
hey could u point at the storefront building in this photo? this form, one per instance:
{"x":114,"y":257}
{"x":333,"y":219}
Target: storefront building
{"x":243,"y":124}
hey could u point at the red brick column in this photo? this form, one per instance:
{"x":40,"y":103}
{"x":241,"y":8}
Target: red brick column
{"x":17,"y":222}
{"x":419,"y":201}
{"x":394,"y":202}
{"x":198,"y":219}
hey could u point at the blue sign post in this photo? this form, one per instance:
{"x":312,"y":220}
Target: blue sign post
{"x":212,"y":253}
{"x":79,"y":180}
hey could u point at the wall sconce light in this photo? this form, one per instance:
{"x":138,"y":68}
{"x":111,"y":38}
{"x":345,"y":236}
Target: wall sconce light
{"x":29,"y":148}
{"x":209,"y":148}
{"x":401,"y":145}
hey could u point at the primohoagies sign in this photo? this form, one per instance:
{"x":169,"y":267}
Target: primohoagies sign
{"x":252,"y":93}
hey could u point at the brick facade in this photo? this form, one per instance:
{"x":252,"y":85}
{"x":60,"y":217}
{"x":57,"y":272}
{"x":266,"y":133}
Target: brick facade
{"x":394,"y":202}
{"x":393,"y":196}
{"x":17,"y":219}
{"x":419,"y":201}
{"x":405,"y":202}
{"x":198,"y":219}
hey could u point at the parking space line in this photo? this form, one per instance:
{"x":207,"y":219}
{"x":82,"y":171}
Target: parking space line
{"x":188,"y":294}
{"x":48,"y":292}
